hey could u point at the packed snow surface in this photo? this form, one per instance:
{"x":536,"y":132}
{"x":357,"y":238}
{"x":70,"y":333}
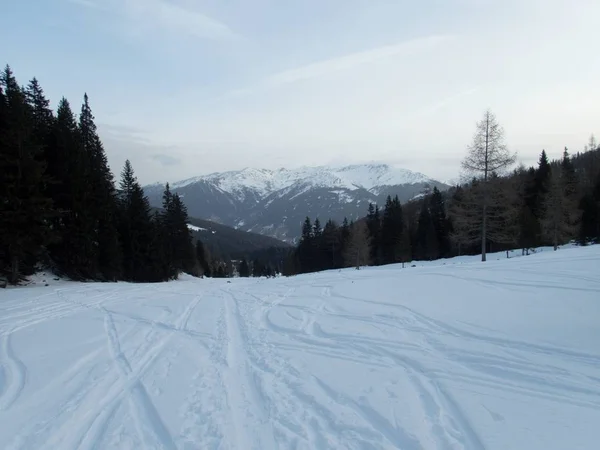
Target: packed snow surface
{"x":264,"y":182}
{"x":450,"y":355}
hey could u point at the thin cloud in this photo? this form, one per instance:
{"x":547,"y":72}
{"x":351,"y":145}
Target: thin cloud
{"x":165,"y":15}
{"x":448,"y":100}
{"x":322,"y":68}
{"x":339,"y":64}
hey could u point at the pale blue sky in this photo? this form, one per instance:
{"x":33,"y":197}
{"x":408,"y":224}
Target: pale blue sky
{"x":186,"y":87}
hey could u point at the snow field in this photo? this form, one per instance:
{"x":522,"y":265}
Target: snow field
{"x":449,"y":355}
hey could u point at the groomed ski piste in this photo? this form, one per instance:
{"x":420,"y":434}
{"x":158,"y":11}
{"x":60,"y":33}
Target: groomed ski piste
{"x":453,"y":354}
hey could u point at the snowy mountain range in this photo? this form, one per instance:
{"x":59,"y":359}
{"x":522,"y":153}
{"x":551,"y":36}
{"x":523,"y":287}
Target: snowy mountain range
{"x":276,"y":202}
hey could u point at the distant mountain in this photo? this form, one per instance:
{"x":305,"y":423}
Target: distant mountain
{"x":276,"y":202}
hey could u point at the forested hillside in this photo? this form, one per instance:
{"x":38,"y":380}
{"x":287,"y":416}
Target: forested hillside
{"x":60,"y":207}
{"x":498,"y":208}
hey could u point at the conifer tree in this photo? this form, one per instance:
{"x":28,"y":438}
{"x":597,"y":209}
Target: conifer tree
{"x":183,"y":249}
{"x":244,"y":269}
{"x":358,"y":252}
{"x":344,"y":236}
{"x":203,"y":258}
{"x":317,"y":230}
{"x":387,"y":232}
{"x":542,"y":180}
{"x":257,"y":268}
{"x":374,"y":226}
{"x":41,"y":114}
{"x":529,"y":229}
{"x":25,"y":209}
{"x":589,"y":228}
{"x":102,"y":207}
{"x":331,"y":244}
{"x":441,"y":225}
{"x":137,"y":230}
{"x":559,"y":223}
{"x":69,"y":192}
{"x":392,"y":228}
{"x":531,"y":187}
{"x":427,"y":242}
{"x":569,"y":176}
{"x":405,"y":247}
{"x":305,"y":247}
{"x":180,"y":253}
{"x":318,"y":251}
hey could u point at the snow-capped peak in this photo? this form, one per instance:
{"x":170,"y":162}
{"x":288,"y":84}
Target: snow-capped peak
{"x":264,"y":182}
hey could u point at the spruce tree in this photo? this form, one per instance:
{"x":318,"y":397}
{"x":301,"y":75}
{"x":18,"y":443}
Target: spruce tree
{"x":331,"y":244}
{"x":589,"y":228}
{"x":344,"y":236}
{"x":25,"y":210}
{"x":137,"y":231}
{"x":405,"y":247}
{"x":542,"y":174}
{"x":427,"y":243}
{"x":388,"y":233}
{"x":559,"y":223}
{"x":167,"y":218}
{"x":203,"y":258}
{"x":374,"y":226}
{"x":69,"y":191}
{"x":317,"y":230}
{"x":156,"y":267}
{"x":358,"y":252}
{"x":184,"y":258}
{"x":533,"y":186}
{"x":392,"y":228}
{"x":244,"y":269}
{"x":437,"y":209}
{"x":569,"y":176}
{"x":305,"y":247}
{"x":102,"y":207}
{"x":529,"y":229}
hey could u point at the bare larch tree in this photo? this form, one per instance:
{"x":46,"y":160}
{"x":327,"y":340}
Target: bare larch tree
{"x":487,"y":156}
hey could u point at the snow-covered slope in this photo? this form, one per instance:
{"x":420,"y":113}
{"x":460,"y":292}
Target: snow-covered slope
{"x":455,"y":355}
{"x":276,"y":202}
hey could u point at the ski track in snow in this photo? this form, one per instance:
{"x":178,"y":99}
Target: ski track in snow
{"x":465,"y":357}
{"x":13,"y":374}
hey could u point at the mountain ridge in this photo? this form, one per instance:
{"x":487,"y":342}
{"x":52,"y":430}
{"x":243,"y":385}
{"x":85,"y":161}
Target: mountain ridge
{"x":275,"y":202}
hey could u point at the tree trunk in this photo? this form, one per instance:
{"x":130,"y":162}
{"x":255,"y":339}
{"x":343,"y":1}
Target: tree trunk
{"x":484,"y":232}
{"x":485,"y":191}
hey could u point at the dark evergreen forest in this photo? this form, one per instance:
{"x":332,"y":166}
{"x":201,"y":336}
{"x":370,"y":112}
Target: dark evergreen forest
{"x":61,"y":208}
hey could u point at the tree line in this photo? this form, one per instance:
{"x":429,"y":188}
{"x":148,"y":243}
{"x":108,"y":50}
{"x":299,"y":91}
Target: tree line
{"x":61,"y":208}
{"x":497,"y":208}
